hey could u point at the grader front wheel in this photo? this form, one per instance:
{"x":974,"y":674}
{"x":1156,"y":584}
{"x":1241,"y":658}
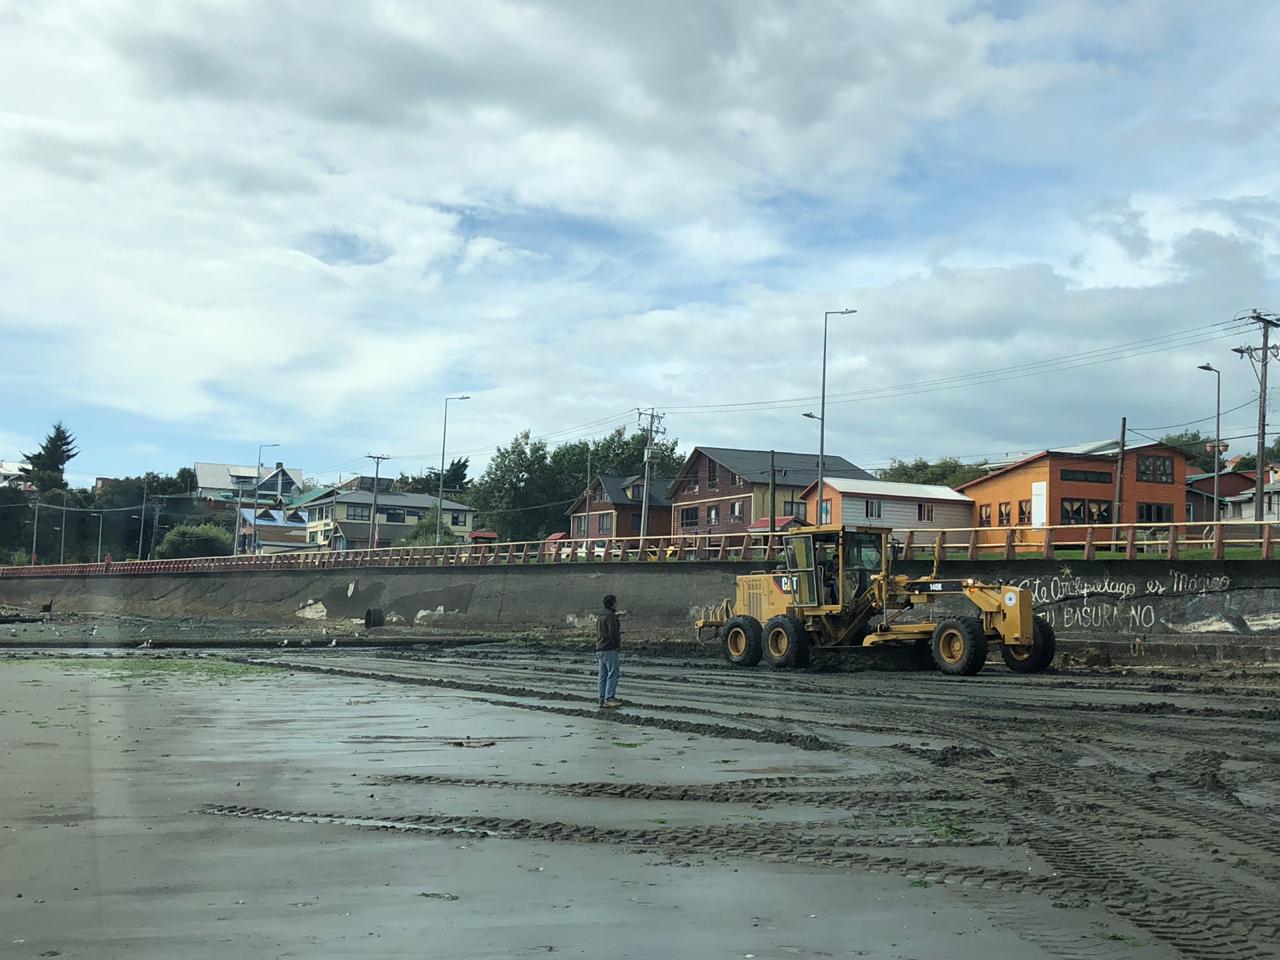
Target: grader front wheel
{"x":959,"y":647}
{"x":1037,"y":656}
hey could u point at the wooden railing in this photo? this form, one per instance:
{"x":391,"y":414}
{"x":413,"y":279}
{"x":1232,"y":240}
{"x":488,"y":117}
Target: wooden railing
{"x":1216,"y":541}
{"x":742,"y":547}
{"x":1131,"y":541}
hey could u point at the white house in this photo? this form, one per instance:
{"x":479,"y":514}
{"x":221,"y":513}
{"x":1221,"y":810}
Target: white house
{"x":880,"y":503}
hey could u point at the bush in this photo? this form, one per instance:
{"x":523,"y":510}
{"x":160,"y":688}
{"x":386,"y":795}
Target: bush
{"x":204,"y":540}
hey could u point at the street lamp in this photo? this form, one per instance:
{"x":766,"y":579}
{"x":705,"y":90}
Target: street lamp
{"x":818,"y":511}
{"x":99,"y":516}
{"x":822,"y":415}
{"x":257,"y":478}
{"x":444,"y":432}
{"x":1217,"y":437}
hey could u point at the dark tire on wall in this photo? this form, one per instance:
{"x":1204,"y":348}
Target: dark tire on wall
{"x":959,"y":647}
{"x":786,"y":642}
{"x":740,"y":640}
{"x":1036,"y":658}
{"x":374,"y":617}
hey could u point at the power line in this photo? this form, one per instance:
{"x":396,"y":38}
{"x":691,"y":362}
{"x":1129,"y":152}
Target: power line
{"x":1219,"y":331}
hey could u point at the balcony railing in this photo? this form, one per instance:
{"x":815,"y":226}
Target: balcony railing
{"x":1235,"y":539}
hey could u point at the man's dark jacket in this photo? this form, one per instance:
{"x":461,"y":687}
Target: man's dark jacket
{"x":608,"y":631}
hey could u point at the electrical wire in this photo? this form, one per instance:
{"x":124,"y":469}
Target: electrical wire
{"x":1218,"y":331}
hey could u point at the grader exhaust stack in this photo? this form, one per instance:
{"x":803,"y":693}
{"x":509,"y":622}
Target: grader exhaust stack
{"x":836,"y":588}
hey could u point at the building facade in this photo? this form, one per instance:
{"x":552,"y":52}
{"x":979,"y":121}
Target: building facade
{"x":880,"y":503}
{"x":1077,"y":487}
{"x":339,"y":519}
{"x":725,"y":490}
{"x":613,"y":505}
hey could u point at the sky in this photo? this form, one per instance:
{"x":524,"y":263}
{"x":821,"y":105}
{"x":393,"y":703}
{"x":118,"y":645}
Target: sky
{"x":306,"y":223}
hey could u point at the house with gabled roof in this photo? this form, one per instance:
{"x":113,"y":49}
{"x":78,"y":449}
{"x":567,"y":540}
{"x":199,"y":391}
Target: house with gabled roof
{"x":227,"y":483}
{"x":612,"y":506}
{"x":725,"y":490}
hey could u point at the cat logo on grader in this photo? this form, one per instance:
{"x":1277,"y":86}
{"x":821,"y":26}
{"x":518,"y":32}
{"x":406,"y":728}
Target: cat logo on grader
{"x":837,"y":588}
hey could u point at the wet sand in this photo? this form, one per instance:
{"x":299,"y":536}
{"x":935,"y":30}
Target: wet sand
{"x":485,"y":809}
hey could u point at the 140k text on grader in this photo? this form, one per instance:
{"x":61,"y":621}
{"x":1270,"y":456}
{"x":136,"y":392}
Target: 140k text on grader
{"x":836,"y":588}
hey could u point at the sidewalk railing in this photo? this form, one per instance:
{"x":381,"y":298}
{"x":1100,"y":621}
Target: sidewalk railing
{"x":1172,"y":541}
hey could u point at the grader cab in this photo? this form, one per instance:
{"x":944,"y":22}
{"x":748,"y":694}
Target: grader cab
{"x":835,"y":587}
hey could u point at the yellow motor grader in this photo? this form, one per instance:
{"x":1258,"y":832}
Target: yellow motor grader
{"x":836,"y":588}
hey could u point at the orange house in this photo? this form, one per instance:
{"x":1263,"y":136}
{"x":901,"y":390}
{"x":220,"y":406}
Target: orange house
{"x":1076,"y":486}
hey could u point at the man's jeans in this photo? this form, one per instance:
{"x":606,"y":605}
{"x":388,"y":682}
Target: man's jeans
{"x":609,"y":672}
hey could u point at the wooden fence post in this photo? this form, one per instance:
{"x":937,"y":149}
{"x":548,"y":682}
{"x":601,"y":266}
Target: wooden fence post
{"x":973,"y":544}
{"x":1219,"y":550}
{"x":1131,"y":543}
{"x":1090,"y":550}
{"x":1048,"y":543}
{"x":1173,"y":542}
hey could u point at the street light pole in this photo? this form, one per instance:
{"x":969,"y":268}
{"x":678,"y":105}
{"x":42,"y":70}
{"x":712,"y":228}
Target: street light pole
{"x":257,"y":478}
{"x":142,"y":515}
{"x":1217,"y":437}
{"x":377,"y":459}
{"x":822,"y":410}
{"x":444,"y":432}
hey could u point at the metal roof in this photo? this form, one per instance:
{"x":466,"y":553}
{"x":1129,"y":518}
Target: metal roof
{"x":615,"y":489}
{"x":218,"y":476}
{"x":419,"y":501}
{"x":794,"y":469}
{"x":903,"y":491}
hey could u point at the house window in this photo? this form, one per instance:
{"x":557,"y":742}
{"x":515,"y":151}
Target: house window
{"x":1099,"y":511}
{"x":734,"y":479}
{"x":924,"y":512}
{"x":1087,"y":476}
{"x":688,"y":517}
{"x":1024,"y":513}
{"x":604,"y":523}
{"x":713,"y":475}
{"x":826,"y":512}
{"x":580,"y":525}
{"x":872,"y":509}
{"x":412,"y":516}
{"x":357,"y":511}
{"x":394,"y":516}
{"x":984,"y":515}
{"x":736,"y":511}
{"x":457,"y":519}
{"x":1155,"y":512}
{"x":1074,"y":512}
{"x":713,"y":515}
{"x":795,"y":508}
{"x":313,"y":536}
{"x":1004,"y":514}
{"x":637,"y":491}
{"x":1153,"y":469}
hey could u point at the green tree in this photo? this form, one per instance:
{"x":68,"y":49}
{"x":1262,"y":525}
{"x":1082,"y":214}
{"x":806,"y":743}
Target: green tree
{"x":947,"y":472}
{"x":191,"y":540}
{"x":423,"y":533}
{"x":526,"y":488}
{"x":49,"y":462}
{"x":455,"y":480}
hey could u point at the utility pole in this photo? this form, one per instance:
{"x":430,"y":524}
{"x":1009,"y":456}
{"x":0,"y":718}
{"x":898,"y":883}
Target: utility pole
{"x":1261,"y":355}
{"x":1115,"y":517}
{"x":773,"y":494}
{"x":35,"y":530}
{"x":62,"y":546}
{"x":654,"y":427}
{"x":99,"y":560}
{"x":377,"y":459}
{"x":155,"y":524}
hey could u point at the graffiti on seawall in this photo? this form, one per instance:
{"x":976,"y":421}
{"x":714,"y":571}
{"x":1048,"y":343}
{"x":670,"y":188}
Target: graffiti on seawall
{"x":1116,"y":602}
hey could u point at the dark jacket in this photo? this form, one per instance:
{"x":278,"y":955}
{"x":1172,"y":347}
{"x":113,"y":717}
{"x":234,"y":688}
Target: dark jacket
{"x":608,"y":631}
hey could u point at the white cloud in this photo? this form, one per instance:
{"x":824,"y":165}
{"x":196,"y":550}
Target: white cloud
{"x":299,"y":220}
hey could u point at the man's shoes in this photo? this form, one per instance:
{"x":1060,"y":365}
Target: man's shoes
{"x":610,"y":704}
{"x":600,"y":705}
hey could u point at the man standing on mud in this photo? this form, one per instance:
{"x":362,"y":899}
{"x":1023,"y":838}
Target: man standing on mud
{"x":608,"y":650}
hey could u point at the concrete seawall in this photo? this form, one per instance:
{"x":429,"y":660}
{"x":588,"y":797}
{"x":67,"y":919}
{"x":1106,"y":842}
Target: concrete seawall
{"x":1099,"y":598}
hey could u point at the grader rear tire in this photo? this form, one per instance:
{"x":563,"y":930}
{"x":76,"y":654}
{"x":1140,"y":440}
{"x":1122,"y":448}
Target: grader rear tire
{"x":1038,"y":656}
{"x":786,"y":642}
{"x":741,"y":639}
{"x":959,"y":647}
